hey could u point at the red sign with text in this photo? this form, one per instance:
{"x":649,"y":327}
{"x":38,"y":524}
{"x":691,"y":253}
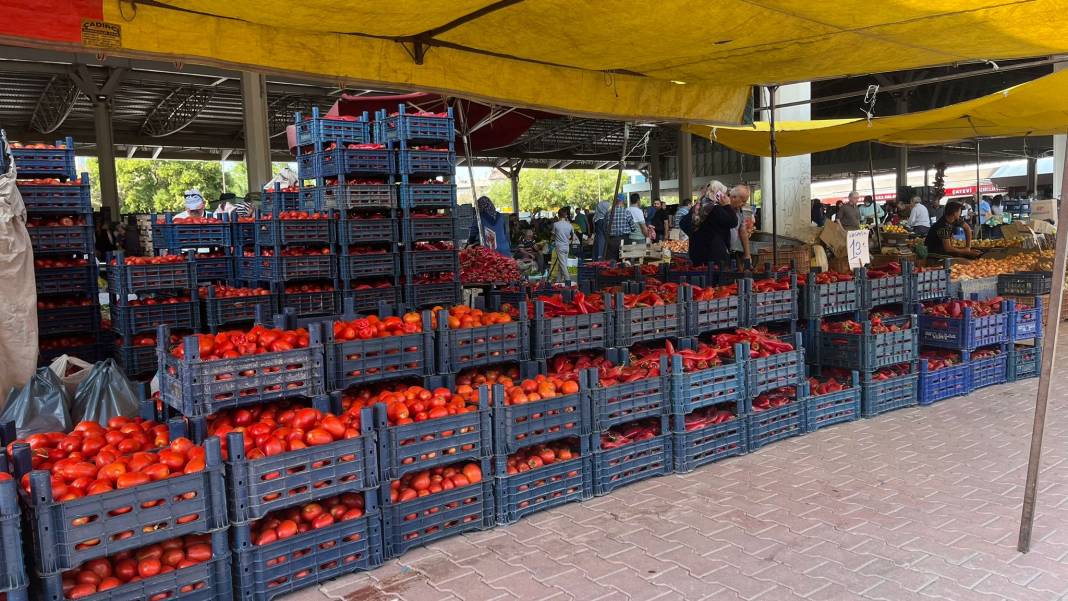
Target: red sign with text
{"x":49,"y":20}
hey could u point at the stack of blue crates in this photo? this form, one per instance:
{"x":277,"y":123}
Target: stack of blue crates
{"x":983,"y":340}
{"x":423,"y":147}
{"x":60,"y":224}
{"x":1029,"y":294}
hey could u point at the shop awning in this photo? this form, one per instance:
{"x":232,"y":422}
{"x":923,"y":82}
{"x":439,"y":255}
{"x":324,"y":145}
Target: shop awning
{"x":669,"y":60}
{"x":1034,"y":108}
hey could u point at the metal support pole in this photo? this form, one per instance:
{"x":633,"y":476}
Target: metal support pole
{"x":622,"y":161}
{"x":978,"y":233}
{"x":257,"y":138}
{"x":774,"y":185}
{"x":654,"y":168}
{"x":105,"y":153}
{"x":465,"y":134}
{"x":685,"y":165}
{"x":1049,"y":352}
{"x":874,"y":205}
{"x":513,"y":178}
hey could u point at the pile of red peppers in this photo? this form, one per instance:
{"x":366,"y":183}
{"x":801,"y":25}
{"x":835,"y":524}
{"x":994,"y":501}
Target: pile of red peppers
{"x":955,"y":309}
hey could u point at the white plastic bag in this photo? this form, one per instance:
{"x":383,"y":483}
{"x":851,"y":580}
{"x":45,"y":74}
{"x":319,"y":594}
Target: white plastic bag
{"x":18,"y":295}
{"x":71,"y":371}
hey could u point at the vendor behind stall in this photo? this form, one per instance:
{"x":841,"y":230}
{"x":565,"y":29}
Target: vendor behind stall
{"x":194,"y":204}
{"x":939,"y":240}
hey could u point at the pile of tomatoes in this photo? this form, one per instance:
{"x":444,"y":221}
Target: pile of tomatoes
{"x":17,"y":146}
{"x":540,"y":455}
{"x":190,"y":220}
{"x":224,"y":291}
{"x":410,"y":404}
{"x":432,"y":481}
{"x":58,"y":263}
{"x":308,"y":287}
{"x":48,"y":181}
{"x":290,"y":251}
{"x":298,"y":215}
{"x":462,"y":317}
{"x":65,"y":221}
{"x":63,"y":302}
{"x":160,"y":260}
{"x":163,"y":300}
{"x":237,"y":343}
{"x":280,"y":427}
{"x":287,"y":523}
{"x":540,"y":388}
{"x":372,"y":326}
{"x":125,"y":567}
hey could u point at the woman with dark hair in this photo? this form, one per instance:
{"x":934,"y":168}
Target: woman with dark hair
{"x":816,"y":213}
{"x":494,"y":230}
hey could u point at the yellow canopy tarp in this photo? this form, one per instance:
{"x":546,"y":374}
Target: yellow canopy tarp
{"x":671,"y":59}
{"x":1034,"y":108}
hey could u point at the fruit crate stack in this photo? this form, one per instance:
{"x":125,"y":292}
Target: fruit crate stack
{"x":424,"y":150}
{"x":210,"y":238}
{"x":60,"y":224}
{"x":776,"y":389}
{"x":981,"y":331}
{"x":85,"y":523}
{"x":1029,"y":294}
{"x":145,"y":293}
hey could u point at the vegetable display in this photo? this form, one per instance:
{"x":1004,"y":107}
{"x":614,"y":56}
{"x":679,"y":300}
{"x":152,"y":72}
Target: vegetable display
{"x":292,"y":521}
{"x":280,"y":427}
{"x":237,"y":343}
{"x":775,"y":398}
{"x":541,"y":455}
{"x":224,"y":291}
{"x":955,"y":308}
{"x":432,"y":481}
{"x":104,"y":574}
{"x":372,"y":326}
{"x":410,"y":404}
{"x":479,"y":264}
{"x":65,"y":221}
{"x":160,"y":260}
{"x":940,"y":358}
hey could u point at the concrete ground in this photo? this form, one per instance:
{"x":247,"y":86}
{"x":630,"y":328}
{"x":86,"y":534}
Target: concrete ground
{"x":922,"y":503}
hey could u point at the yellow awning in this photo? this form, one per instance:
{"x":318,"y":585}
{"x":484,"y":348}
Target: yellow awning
{"x":1035,"y":108}
{"x":674,"y":60}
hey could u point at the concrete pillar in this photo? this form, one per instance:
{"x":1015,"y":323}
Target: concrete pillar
{"x":794,"y":174}
{"x":1032,"y":173}
{"x":685,"y":165}
{"x":902,"y":103}
{"x":257,"y":140}
{"x":105,"y":154}
{"x":654,"y":168}
{"x":1058,"y":150}
{"x":513,"y":178}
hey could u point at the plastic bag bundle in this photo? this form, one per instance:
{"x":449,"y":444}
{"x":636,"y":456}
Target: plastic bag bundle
{"x":103,"y":394}
{"x":42,"y":405}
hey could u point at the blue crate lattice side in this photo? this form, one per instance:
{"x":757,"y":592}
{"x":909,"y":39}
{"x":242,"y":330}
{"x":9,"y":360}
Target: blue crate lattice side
{"x":706,"y":445}
{"x":941,"y":384}
{"x":519,"y":495}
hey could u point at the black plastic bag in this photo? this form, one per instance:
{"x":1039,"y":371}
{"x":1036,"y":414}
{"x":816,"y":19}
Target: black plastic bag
{"x":42,"y":405}
{"x":103,"y":394}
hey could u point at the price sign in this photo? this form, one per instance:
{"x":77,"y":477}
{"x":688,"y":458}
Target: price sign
{"x":857,"y":248}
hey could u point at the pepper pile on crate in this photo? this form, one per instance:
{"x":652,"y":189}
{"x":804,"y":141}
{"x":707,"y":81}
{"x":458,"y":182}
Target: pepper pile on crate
{"x":60,"y":224}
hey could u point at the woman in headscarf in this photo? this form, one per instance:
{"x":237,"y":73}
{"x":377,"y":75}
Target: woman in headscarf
{"x":494,"y":230}
{"x":709,"y":226}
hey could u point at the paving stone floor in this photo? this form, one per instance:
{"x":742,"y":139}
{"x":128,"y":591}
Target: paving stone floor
{"x":922,"y":503}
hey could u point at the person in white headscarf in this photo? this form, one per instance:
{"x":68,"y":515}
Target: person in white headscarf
{"x":194,"y":204}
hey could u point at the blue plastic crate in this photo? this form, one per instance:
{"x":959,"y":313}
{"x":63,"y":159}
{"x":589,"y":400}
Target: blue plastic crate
{"x":775,"y":371}
{"x":711,"y":315}
{"x":136,"y":360}
{"x":370,"y":230}
{"x":344,"y":197}
{"x":288,"y":268}
{"x":73,"y":197}
{"x":437,"y":162}
{"x":134,"y":319}
{"x":219,"y":312}
{"x":929,"y":285}
{"x":91,"y":352}
{"x":525,"y":424}
{"x":834,"y":407}
{"x":177,"y":236}
{"x":820,"y":300}
{"x":340,"y":162}
{"x":208,"y":581}
{"x":369,"y":299}
{"x":720,"y":385}
{"x":80,"y":280}
{"x":943,"y":383}
{"x":767,"y":307}
{"x":264,"y":572}
{"x":427,"y":195}
{"x":696,"y":448}
{"x":569,"y":333}
{"x":990,"y":371}
{"x":773,"y":425}
{"x":1025,"y":324}
{"x":124,"y":278}
{"x":67,"y":534}
{"x":69,"y":320}
{"x":626,"y":402}
{"x":12,"y":563}
{"x":428,"y":228}
{"x":519,"y":495}
{"x":865,"y":351}
{"x":424,"y":520}
{"x":417,"y":296}
{"x":419,"y":127}
{"x":75,"y":239}
{"x":196,"y":387}
{"x":34,"y":163}
{"x":884,"y":291}
{"x":244,"y":233}
{"x":323,"y":303}
{"x":880,"y":396}
{"x":319,"y":128}
{"x":294,"y":232}
{"x":221,"y":269}
{"x":646,"y":324}
{"x":412,"y":447}
{"x":377,"y":265}
{"x":1025,"y":361}
{"x":613,"y":468}
{"x":257,"y":487}
{"x":352,"y":362}
{"x":275,"y":201}
{"x":462,"y":348}
{"x":431,"y":261}
{"x":966,"y":332}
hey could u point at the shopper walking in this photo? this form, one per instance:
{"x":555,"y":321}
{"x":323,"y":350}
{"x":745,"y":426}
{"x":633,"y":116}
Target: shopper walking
{"x":620,"y":225}
{"x":848,"y":214}
{"x":563,"y":234}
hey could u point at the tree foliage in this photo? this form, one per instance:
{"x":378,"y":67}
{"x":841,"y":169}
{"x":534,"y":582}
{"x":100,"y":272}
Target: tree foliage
{"x":550,"y":189}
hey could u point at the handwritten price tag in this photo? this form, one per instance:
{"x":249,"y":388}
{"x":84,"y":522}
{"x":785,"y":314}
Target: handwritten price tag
{"x":857,"y":248}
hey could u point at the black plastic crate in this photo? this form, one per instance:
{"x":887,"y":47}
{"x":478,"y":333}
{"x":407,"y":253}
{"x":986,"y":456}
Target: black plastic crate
{"x":263,"y":572}
{"x":134,"y":319}
{"x":177,"y":236}
{"x":222,"y":269}
{"x":67,"y":534}
{"x":319,"y":303}
{"x":370,"y":230}
{"x":719,"y":385}
{"x":368,"y":265}
{"x":75,"y":239}
{"x":694,"y":448}
{"x":220,"y":312}
{"x":462,"y":348}
{"x":318,"y":128}
{"x":865,"y":351}
{"x":80,"y":280}
{"x":418,"y":296}
{"x":775,"y":371}
{"x":425,"y":161}
{"x":124,"y":278}
{"x":288,"y":268}
{"x":629,"y":401}
{"x":208,"y":581}
{"x":57,"y":162}
{"x":1025,"y":283}
{"x":369,"y":298}
{"x":549,"y":486}
{"x":419,"y":127}
{"x":426,"y":519}
{"x":1024,"y":361}
{"x":834,"y":407}
{"x":773,"y":425}
{"x":427,"y":195}
{"x":820,"y":300}
{"x":525,"y":424}
{"x":429,"y":228}
{"x":880,"y":396}
{"x":68,"y":198}
{"x":69,"y":320}
{"x":13,"y":570}
{"x":766,"y":307}
{"x":431,"y":261}
{"x":966,"y":332}
{"x":342,"y":196}
{"x":937,"y":385}
{"x":290,"y":232}
{"x":613,"y":468}
{"x":711,"y":315}
{"x":136,"y":360}
{"x":421,"y":445}
{"x":352,"y":362}
{"x":569,"y":333}
{"x":197,"y":388}
{"x":646,"y":324}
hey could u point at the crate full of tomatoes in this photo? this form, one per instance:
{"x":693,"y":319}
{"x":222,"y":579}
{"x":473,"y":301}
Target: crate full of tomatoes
{"x":964,"y":324}
{"x":51,"y":195}
{"x":469,"y":337}
{"x":44,"y":160}
{"x":206,"y":373}
{"x":132,"y":275}
{"x":61,"y":234}
{"x":287,"y":228}
{"x":232,"y":305}
{"x":99,"y":490}
{"x":65,"y":275}
{"x":833,"y":398}
{"x":362,"y":350}
{"x":540,"y":476}
{"x":540,"y":408}
{"x":176,"y":233}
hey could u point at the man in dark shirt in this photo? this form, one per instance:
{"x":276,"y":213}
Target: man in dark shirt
{"x":940,"y":238}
